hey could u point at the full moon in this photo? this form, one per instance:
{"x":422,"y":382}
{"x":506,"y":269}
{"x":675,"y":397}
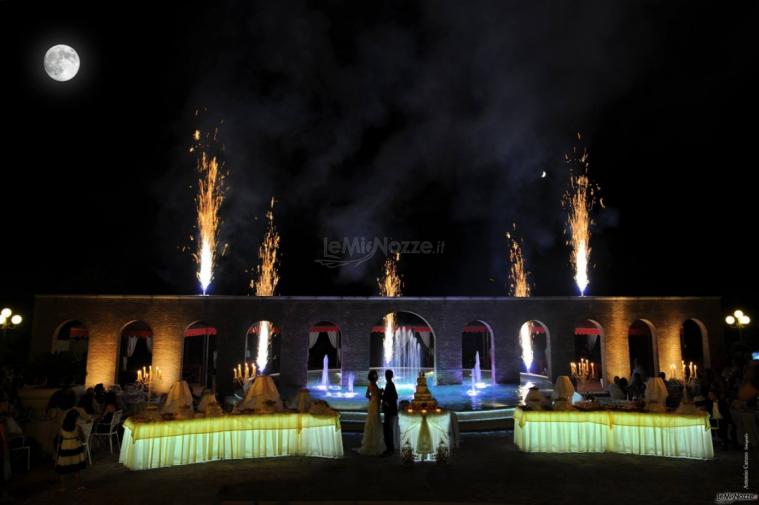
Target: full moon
{"x":61,"y":62}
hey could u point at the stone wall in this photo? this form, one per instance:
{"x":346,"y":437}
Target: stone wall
{"x":105,"y":316}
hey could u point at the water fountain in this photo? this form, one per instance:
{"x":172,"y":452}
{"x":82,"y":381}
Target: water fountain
{"x":350,"y":380}
{"x":325,"y":375}
{"x":477,"y":371}
{"x":473,"y":391}
{"x":407,"y":357}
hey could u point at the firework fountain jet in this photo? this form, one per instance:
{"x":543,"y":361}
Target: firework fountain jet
{"x":208,"y":202}
{"x":519,"y":286}
{"x":390,"y":285}
{"x":579,"y":200}
{"x":266,"y":282}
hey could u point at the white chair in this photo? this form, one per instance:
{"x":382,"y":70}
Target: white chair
{"x":86,"y":435}
{"x":16,"y":444}
{"x":112,"y":430}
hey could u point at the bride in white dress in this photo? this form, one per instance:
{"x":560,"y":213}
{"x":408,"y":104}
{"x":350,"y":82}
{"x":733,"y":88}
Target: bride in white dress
{"x":373,"y":442}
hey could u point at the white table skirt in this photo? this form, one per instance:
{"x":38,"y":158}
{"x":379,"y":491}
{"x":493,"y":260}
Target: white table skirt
{"x":425,"y":433}
{"x":324,"y":442}
{"x":683,"y":442}
{"x":561,"y":437}
{"x":584,"y":436}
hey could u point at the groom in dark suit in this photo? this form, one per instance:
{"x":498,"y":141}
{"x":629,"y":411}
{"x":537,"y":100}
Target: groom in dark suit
{"x":390,"y":409}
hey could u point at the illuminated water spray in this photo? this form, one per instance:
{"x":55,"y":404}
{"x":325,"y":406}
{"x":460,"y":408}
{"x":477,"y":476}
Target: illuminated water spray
{"x":266,"y":281}
{"x":579,"y":201}
{"x":525,"y":341}
{"x":390,"y":286}
{"x":208,"y":202}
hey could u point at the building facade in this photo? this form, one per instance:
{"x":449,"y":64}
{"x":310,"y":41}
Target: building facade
{"x":105,"y":317}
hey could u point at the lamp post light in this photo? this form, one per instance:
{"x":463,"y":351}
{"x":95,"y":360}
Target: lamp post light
{"x":9,"y":320}
{"x":739,"y":320}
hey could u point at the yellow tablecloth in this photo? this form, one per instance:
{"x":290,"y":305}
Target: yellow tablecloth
{"x":169,"y":443}
{"x":654,"y":434}
{"x":425,"y":432}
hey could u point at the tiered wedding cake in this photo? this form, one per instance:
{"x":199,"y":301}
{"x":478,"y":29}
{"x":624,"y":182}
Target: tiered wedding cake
{"x":422,"y":397}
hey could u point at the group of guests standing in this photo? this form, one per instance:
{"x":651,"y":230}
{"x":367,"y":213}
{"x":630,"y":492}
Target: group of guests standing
{"x":730,"y":397}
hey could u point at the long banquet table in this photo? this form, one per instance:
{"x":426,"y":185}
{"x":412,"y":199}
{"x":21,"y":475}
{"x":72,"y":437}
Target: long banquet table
{"x":156,"y":444}
{"x":644,"y":433}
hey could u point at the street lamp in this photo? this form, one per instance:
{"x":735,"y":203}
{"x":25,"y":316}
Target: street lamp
{"x":9,"y":320}
{"x":739,"y":320}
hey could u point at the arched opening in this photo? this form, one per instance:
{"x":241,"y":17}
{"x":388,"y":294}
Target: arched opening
{"x":135,"y":351}
{"x":199,"y":356}
{"x":72,"y":338}
{"x":692,"y":338}
{"x":324,"y":354}
{"x":405,"y":343}
{"x":533,"y":341}
{"x":477,"y":352}
{"x":262,"y":347}
{"x":588,"y":355}
{"x":640,"y":340}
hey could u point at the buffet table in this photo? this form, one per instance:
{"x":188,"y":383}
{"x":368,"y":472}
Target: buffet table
{"x":646,"y":433}
{"x":425,"y":432}
{"x":156,"y":444}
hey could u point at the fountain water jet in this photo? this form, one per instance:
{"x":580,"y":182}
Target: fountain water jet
{"x":473,"y":390}
{"x":325,"y":375}
{"x":407,"y":356}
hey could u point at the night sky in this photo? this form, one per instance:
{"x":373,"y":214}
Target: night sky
{"x":411,"y":120}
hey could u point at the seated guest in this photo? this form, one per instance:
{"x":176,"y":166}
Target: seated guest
{"x":637,"y":389}
{"x":110,"y":406}
{"x":625,"y":387}
{"x":534,"y":399}
{"x":60,"y":402}
{"x":100,"y":393}
{"x":88,"y":404}
{"x":615,"y":390}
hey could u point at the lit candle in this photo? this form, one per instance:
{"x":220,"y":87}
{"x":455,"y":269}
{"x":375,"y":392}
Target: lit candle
{"x":592,"y":370}
{"x":139,"y":375}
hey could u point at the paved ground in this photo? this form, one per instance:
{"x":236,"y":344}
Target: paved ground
{"x":487,"y":468}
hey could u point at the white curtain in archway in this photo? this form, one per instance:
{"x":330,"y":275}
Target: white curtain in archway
{"x":332,"y":335}
{"x":131,"y":345}
{"x":149,"y":343}
{"x":425,"y":336}
{"x":312,"y":337}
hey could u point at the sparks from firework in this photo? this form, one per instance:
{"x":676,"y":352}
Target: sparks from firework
{"x":519,"y":277}
{"x":266,"y":282}
{"x":579,"y":201}
{"x":207,"y":202}
{"x":390,"y":285}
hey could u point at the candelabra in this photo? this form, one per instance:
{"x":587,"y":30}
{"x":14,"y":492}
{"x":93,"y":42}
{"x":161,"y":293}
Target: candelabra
{"x":582,"y":372}
{"x":147,"y":377}
{"x":244,"y":373}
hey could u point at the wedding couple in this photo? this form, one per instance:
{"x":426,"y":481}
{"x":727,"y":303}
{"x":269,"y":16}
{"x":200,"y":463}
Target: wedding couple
{"x":379,"y":437}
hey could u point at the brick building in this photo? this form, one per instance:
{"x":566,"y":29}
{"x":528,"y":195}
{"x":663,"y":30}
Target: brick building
{"x":105,"y":317}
